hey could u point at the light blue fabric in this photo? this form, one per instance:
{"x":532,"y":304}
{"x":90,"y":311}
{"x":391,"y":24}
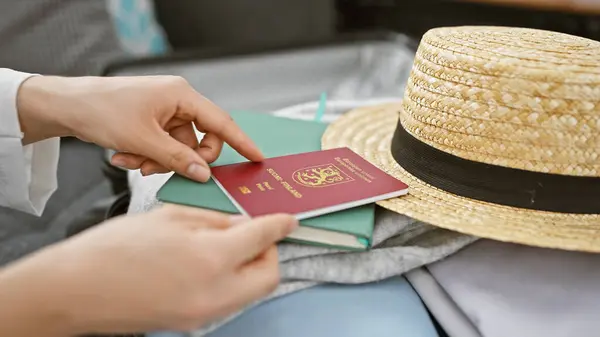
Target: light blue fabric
{"x":388,"y":308}
{"x":136,"y":26}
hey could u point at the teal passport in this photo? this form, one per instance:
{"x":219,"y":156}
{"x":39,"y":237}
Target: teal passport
{"x":350,"y":229}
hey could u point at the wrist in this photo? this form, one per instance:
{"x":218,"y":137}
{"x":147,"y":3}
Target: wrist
{"x":32,"y":302}
{"x":41,"y":107}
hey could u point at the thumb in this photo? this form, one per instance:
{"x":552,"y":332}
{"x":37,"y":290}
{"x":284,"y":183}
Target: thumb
{"x":179,"y":158}
{"x":245,"y":242}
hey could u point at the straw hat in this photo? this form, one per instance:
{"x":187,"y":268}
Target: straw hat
{"x":498,"y":136}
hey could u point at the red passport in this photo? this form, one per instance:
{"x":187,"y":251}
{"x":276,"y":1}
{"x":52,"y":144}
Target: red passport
{"x":307,"y":184}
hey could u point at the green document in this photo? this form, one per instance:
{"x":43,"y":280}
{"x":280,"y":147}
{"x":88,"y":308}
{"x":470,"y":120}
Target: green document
{"x":349,"y":229}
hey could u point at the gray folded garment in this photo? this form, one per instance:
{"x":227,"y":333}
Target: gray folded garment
{"x":495,"y":289}
{"x":400,"y":244}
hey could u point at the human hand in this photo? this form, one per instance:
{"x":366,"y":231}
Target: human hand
{"x":175,"y":268}
{"x":148,"y":120}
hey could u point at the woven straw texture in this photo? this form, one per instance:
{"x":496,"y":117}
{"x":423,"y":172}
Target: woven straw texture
{"x":368,"y":131}
{"x":519,"y":98}
{"x":512,"y":97}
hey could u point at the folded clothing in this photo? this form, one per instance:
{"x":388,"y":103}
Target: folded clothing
{"x":512,"y":290}
{"x":389,"y":308}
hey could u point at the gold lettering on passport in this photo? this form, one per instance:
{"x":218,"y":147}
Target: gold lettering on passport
{"x":285,"y":184}
{"x":244,"y":190}
{"x":274,"y":174}
{"x":264,"y":186}
{"x":354,"y":169}
{"x":291,"y":189}
{"x":349,"y":162}
{"x":321,"y":176}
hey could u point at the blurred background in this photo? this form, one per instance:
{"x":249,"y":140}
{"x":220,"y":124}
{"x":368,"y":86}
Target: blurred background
{"x":251,"y":55}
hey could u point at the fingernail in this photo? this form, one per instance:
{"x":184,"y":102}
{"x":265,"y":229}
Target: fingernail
{"x":118,"y":162}
{"x":294,"y":223}
{"x":238,"y":218}
{"x":148,"y":172}
{"x":198,"y":172}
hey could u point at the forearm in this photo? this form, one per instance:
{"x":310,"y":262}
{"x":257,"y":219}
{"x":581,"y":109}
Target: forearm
{"x":30,"y":304}
{"x":42,"y":110}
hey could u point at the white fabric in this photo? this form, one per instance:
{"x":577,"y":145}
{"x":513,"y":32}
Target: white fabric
{"x":512,"y":290}
{"x":454,"y":322}
{"x":28,"y":174}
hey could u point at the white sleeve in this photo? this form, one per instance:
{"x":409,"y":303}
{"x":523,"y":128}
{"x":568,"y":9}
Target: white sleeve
{"x":27,"y":173}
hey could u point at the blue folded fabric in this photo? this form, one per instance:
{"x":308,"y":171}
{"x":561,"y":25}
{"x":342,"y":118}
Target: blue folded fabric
{"x":388,"y":308}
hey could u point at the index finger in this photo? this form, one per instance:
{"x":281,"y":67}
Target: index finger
{"x":212,"y":119}
{"x":246,"y":241}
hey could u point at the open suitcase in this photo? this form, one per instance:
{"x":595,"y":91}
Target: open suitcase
{"x":353,"y":67}
{"x":346,"y":68}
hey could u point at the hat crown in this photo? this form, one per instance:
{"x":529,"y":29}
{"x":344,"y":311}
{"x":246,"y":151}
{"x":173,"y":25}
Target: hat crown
{"x":514,"y":97}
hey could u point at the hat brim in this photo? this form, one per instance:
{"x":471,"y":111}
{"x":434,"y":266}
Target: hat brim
{"x":368,"y":131}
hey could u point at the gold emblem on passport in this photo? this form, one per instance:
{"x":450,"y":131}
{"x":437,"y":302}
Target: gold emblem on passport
{"x":244,"y":190}
{"x":321,"y":176}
